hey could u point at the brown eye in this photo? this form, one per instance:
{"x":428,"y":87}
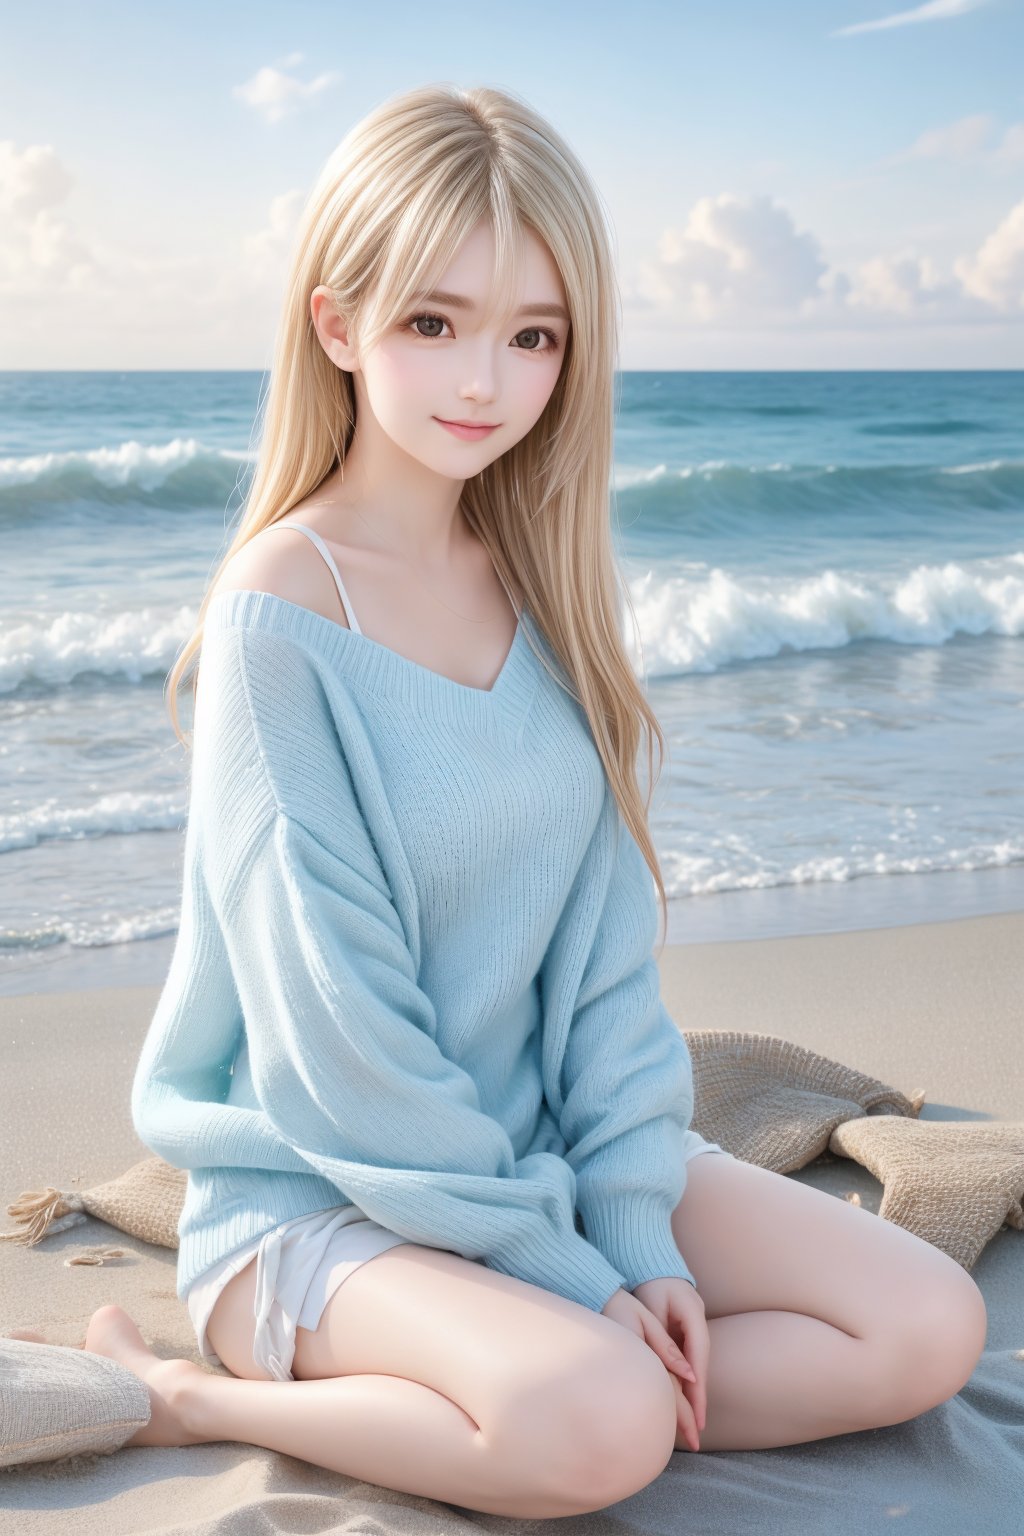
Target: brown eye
{"x":541,"y":331}
{"x":437,"y":320}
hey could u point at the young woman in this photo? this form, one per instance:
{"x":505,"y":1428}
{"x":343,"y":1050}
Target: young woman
{"x":413,"y":1012}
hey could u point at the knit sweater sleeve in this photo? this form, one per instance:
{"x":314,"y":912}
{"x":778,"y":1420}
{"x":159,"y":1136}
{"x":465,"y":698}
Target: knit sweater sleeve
{"x":626,"y":1074}
{"x":341,"y":1037}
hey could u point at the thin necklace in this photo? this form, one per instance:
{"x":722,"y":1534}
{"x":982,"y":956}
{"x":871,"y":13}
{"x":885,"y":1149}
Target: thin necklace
{"x":422,"y":583}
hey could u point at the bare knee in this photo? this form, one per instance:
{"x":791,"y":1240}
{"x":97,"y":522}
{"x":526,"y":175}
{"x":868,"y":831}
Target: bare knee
{"x":928,"y":1352}
{"x":602,"y":1435}
{"x":952,"y":1332}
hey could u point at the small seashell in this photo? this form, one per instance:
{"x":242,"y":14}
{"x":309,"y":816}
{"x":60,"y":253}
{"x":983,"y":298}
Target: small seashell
{"x":95,"y":1256}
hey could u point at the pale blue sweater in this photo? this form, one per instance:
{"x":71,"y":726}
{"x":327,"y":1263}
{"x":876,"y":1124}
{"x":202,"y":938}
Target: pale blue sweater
{"x":414,"y":970}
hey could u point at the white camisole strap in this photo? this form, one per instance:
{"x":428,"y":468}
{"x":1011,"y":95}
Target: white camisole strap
{"x":328,"y":557}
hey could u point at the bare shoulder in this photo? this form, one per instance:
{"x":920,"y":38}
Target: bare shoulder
{"x":286,"y":563}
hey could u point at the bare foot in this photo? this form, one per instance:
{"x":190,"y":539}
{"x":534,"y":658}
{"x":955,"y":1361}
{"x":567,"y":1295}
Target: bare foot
{"x":111,"y":1332}
{"x":29,"y":1334}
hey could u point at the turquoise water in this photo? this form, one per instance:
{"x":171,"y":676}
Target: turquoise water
{"x":827,"y":571}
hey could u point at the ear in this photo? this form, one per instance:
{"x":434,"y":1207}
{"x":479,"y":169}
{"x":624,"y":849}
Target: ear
{"x":332,"y":329}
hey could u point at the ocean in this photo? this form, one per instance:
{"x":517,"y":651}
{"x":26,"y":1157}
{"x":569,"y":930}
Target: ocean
{"x":827,"y":571}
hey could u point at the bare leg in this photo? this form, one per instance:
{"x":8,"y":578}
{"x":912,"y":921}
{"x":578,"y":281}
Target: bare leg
{"x":383,"y":1429}
{"x":823,"y":1319}
{"x":783,"y":1378}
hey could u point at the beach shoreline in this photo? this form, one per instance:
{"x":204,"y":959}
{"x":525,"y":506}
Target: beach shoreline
{"x":724,"y":917}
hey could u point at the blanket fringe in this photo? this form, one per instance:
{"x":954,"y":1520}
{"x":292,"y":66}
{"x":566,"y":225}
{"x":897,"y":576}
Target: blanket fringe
{"x":39,"y":1212}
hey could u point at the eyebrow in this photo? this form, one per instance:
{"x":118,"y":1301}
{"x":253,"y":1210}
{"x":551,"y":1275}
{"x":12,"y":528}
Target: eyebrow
{"x":457,"y":301}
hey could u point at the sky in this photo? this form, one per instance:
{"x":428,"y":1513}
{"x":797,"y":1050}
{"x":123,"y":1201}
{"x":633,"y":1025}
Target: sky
{"x":814,"y":184}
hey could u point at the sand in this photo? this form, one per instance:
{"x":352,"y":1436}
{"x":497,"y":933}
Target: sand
{"x":937,"y":1006}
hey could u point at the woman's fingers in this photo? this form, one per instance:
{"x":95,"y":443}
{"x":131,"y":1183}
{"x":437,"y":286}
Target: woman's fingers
{"x":698,"y":1345}
{"x":686,"y":1421}
{"x":666,"y":1346}
{"x":695,"y":1398}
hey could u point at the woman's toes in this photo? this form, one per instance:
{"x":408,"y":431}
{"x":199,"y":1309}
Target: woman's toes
{"x":111,"y":1332}
{"x":172,"y":1383}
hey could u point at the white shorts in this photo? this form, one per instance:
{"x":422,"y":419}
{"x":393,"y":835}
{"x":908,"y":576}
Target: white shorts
{"x":299,"y":1266}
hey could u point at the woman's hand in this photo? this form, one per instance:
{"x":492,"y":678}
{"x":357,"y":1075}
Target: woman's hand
{"x":636,"y":1314}
{"x":679,"y":1308}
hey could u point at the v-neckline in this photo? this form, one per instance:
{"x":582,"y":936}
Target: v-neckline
{"x":375,"y":665}
{"x":360,"y":634}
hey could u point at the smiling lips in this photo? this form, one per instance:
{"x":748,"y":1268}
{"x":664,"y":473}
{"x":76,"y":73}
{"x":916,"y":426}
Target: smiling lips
{"x":468,"y":430}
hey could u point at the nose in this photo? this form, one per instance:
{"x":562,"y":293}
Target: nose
{"x":480,"y":383}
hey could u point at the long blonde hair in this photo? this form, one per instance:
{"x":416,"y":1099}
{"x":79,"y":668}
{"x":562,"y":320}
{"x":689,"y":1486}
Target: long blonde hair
{"x":387,"y":215}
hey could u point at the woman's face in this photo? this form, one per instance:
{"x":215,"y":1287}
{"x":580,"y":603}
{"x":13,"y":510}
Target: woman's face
{"x":441,"y":364}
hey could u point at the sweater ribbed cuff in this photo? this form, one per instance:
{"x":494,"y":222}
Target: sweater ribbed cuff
{"x":635,"y":1235}
{"x":573,"y":1268}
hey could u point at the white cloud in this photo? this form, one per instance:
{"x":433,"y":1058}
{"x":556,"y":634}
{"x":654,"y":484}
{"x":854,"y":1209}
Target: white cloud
{"x":967,"y":139}
{"x":899,"y":284}
{"x":995,"y":273}
{"x":31,"y":179}
{"x":935,"y":10}
{"x":733,"y":256}
{"x":953,"y":141}
{"x":743,"y":262}
{"x":274,"y":94}
{"x":37,"y":245}
{"x":265,"y":253}
{"x":1011,"y":150}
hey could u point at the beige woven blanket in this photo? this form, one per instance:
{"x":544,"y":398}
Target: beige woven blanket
{"x":953,"y":1183}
